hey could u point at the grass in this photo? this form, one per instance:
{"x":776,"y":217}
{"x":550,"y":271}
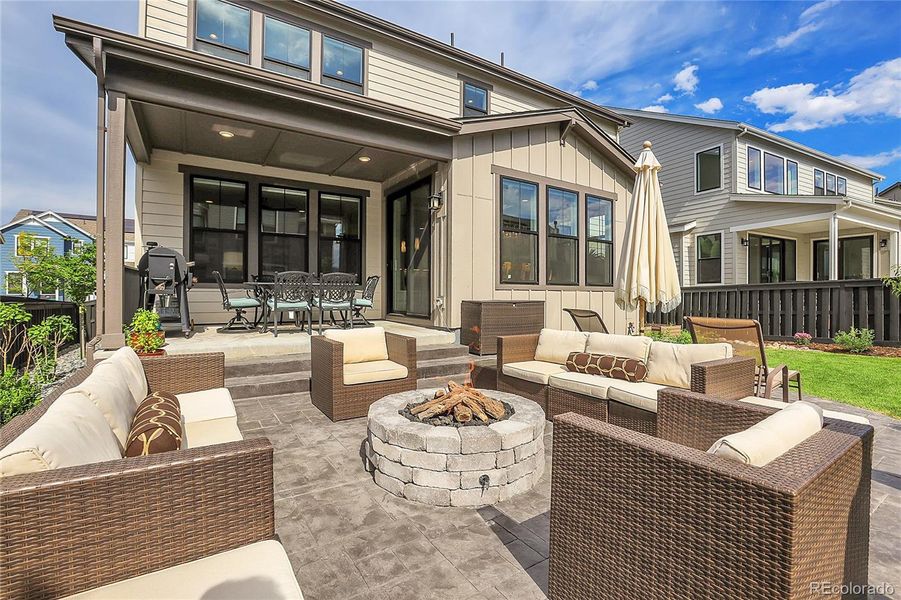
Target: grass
{"x":871,"y":382}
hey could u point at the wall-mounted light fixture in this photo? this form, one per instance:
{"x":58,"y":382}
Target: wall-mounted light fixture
{"x":883,"y":243}
{"x":745,"y":242}
{"x":436,"y":201}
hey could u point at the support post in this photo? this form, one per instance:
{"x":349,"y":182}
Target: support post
{"x":833,"y":247}
{"x":101,"y":197}
{"x":114,"y":223}
{"x":894,"y":251}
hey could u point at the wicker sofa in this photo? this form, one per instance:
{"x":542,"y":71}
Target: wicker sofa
{"x":533,"y":367}
{"x":352,"y":368}
{"x":687,"y":524}
{"x":195,"y":522}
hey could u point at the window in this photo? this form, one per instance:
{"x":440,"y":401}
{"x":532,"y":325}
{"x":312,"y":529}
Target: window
{"x":223,"y":30}
{"x":340,"y":245}
{"x":753,"y":168}
{"x":770,"y":260}
{"x":773,"y":173}
{"x":283,"y":230}
{"x":342,"y":65}
{"x":71,"y":245}
{"x":519,"y":231}
{"x":26,"y":243}
{"x":219,"y":229}
{"x":708,"y":170}
{"x":819,"y":183}
{"x":791,"y":177}
{"x":709,"y":258}
{"x":842,"y":186}
{"x":475,"y":100}
{"x":855,"y":258}
{"x":286,"y":48}
{"x":599,"y":243}
{"x":830,"y":184}
{"x":562,"y":237}
{"x":15,"y":283}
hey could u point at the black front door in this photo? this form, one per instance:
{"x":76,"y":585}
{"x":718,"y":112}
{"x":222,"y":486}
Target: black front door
{"x":409,"y":251}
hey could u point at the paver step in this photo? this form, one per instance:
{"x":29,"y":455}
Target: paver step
{"x":272,"y":384}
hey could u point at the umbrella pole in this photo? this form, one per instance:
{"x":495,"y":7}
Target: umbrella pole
{"x":642,"y":315}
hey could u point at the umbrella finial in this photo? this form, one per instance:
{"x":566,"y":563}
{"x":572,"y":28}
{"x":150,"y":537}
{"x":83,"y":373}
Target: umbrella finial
{"x":647,"y":144}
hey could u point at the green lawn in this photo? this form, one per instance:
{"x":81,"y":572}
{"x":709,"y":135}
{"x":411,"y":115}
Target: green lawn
{"x":871,"y":382}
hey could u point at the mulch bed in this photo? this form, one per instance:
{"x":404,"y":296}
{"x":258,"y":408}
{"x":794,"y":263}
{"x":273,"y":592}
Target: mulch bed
{"x":892,"y":351}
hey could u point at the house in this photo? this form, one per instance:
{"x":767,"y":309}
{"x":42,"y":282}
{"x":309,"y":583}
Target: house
{"x":313,"y":136}
{"x":747,"y":206}
{"x":890,"y":194}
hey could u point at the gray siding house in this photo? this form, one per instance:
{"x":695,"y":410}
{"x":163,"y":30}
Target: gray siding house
{"x":747,"y":206}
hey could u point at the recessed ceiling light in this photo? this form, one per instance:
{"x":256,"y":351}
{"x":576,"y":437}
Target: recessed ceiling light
{"x":363,"y":158}
{"x":227,"y":134}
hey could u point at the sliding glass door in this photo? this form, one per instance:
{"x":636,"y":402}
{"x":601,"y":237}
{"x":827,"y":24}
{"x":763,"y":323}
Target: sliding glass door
{"x":855,"y":258}
{"x":770,"y":260}
{"x":409,"y":251}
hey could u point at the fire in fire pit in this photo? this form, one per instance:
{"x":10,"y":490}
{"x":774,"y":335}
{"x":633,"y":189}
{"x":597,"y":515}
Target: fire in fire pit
{"x":458,"y":406}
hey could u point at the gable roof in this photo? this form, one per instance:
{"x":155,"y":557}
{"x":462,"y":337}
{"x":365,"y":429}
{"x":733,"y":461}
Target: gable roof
{"x":87,"y":224}
{"x":742,"y":126}
{"x":34,"y":219}
{"x":890,"y":188}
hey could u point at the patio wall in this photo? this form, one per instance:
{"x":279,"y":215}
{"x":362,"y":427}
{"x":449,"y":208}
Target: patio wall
{"x":160,"y":206}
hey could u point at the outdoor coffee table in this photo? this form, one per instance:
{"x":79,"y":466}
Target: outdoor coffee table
{"x":443,"y":465}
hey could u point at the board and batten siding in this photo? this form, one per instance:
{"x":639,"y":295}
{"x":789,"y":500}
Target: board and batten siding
{"x":475,"y":214}
{"x":160,"y":206}
{"x":164,"y":21}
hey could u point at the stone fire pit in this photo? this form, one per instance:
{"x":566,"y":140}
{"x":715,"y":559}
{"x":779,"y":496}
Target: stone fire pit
{"x":455,"y":466}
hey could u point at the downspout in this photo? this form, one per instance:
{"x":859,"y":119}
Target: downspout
{"x":100,"y":71}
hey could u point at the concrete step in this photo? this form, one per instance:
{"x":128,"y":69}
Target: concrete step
{"x":272,"y":384}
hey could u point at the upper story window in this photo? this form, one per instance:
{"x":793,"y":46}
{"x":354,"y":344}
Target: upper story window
{"x":830,"y":184}
{"x":710,"y":258}
{"x":342,"y":65}
{"x":562,"y":237}
{"x":26,"y":243}
{"x":286,"y":48}
{"x":475,"y":100}
{"x":774,"y":173}
{"x":753,"y":168}
{"x":819,"y":183}
{"x":708,"y":170}
{"x":223,"y":30}
{"x":841,"y":186}
{"x":519,"y":231}
{"x":791,"y":177}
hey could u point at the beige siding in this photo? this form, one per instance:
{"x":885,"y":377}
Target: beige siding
{"x":164,"y":21}
{"x":474,"y":219}
{"x":396,"y":78}
{"x":160,"y":217}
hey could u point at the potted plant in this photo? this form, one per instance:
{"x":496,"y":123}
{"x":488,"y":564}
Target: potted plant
{"x":145,"y":334}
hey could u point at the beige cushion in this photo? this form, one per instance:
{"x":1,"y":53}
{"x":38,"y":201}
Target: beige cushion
{"x":376,"y":370}
{"x":829,"y":414}
{"x":361,"y":345}
{"x":207,"y":433}
{"x":629,"y":346}
{"x":772,"y":437}
{"x":107,"y":387}
{"x":582,"y":383}
{"x":554,"y":346}
{"x":131,"y":366}
{"x":206,"y":405}
{"x":536,"y":371}
{"x":670,"y":364}
{"x":639,"y":394}
{"x":261,"y":571}
{"x":72,"y":432}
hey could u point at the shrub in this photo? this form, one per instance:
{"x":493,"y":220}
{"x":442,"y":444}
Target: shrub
{"x":683,"y":337}
{"x":144,"y":333}
{"x":18,"y":393}
{"x":13,"y":318}
{"x":855,"y":340}
{"x":802,"y":338}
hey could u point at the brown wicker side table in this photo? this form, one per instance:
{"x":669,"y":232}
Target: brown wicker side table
{"x":484,"y":320}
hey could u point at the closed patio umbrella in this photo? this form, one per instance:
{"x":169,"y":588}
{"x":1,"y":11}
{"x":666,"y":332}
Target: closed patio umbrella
{"x":647,"y":276}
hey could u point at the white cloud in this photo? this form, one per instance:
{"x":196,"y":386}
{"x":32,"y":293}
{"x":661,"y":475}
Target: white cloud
{"x":710,"y":106}
{"x":687,"y":80}
{"x":816,"y":9}
{"x":657,"y":108}
{"x":806,"y":25}
{"x":873,"y":161}
{"x":665,"y":98}
{"x":873,"y":92}
{"x":589,"y":86}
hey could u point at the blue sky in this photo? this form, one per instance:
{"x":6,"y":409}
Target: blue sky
{"x":827,"y":74}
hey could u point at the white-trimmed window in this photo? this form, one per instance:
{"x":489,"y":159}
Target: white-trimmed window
{"x":26,"y":243}
{"x":819,"y":183}
{"x":15,"y":283}
{"x":830,"y":184}
{"x":841,"y":186}
{"x":709,"y":169}
{"x":773,"y":173}
{"x":754,"y":168}
{"x":709,"y":258}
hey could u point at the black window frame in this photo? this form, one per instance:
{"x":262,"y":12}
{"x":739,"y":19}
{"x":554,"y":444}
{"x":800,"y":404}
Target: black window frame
{"x":832,"y":193}
{"x":781,"y":159}
{"x":819,"y":190}
{"x":204,"y":42}
{"x":262,"y":234}
{"x":328,"y":79}
{"x":474,"y":112}
{"x":245,"y":233}
{"x":841,"y":256}
{"x":596,"y":239}
{"x":719,"y":154}
{"x":841,"y":186}
{"x":329,"y":238}
{"x":535,"y":234}
{"x":784,"y":263}
{"x":789,"y":189}
{"x":549,"y":235}
{"x":698,"y":259}
{"x":759,"y":185}
{"x":308,"y":69}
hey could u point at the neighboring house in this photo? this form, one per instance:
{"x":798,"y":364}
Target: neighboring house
{"x":313,"y":136}
{"x":61,"y":230}
{"x":747,"y":206}
{"x":891,"y":194}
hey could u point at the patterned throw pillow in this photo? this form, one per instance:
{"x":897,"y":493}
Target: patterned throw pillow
{"x":156,"y":427}
{"x":606,"y":365}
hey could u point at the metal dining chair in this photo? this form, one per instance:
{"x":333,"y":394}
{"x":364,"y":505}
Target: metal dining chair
{"x":364,"y":302}
{"x":336,"y":292}
{"x":293,"y":291}
{"x":239,"y":305}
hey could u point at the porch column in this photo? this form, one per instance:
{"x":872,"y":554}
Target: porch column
{"x":894,"y":250}
{"x":833,"y":246}
{"x":114,"y":223}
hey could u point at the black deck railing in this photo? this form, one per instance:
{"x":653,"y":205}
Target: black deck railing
{"x":821,"y":308}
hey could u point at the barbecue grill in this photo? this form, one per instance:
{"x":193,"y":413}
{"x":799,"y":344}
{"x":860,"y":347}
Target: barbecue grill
{"x":165,"y":280}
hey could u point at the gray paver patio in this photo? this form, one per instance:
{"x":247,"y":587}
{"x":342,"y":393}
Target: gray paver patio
{"x":350,"y":540}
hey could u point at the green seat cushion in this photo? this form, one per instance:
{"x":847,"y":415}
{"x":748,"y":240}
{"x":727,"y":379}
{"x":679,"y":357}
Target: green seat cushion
{"x":289,"y":305}
{"x":244,"y":303}
{"x":334,"y":305}
{"x":363,"y":302}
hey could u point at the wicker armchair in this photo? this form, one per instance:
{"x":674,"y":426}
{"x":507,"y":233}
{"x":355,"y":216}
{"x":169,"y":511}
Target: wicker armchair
{"x":636,"y":516}
{"x":339,"y":400}
{"x":73,"y":529}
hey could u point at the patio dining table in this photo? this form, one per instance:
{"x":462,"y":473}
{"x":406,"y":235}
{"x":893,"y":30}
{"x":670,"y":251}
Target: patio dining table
{"x":263,"y":291}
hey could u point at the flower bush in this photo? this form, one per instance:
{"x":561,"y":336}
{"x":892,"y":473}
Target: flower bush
{"x":802,"y":338}
{"x":855,"y":340}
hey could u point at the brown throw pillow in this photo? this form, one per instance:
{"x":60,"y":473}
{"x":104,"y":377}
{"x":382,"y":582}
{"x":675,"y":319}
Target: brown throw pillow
{"x":156,"y":427}
{"x":606,"y":365}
